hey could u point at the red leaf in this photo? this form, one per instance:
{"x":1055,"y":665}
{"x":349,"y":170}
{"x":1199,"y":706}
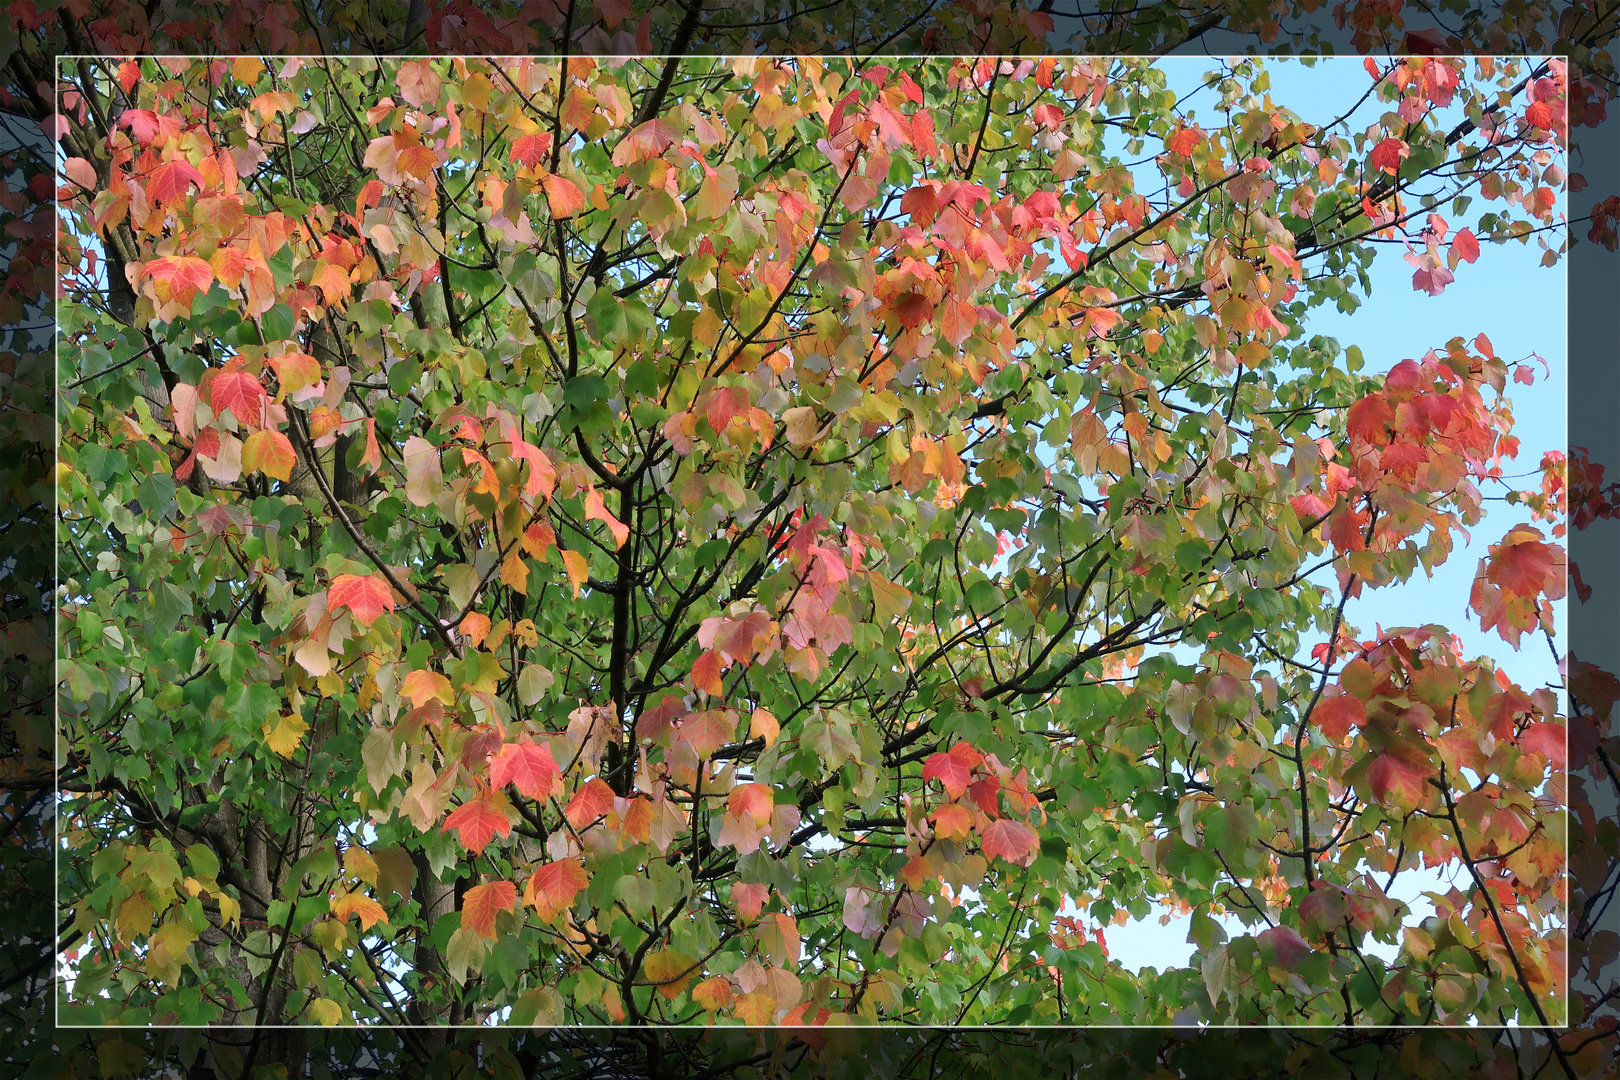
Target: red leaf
{"x":984,"y":795}
{"x":239,"y":392}
{"x":531,"y":150}
{"x":528,"y":765}
{"x":479,"y":820}
{"x":171,"y":180}
{"x":707,"y":731}
{"x":749,"y":898}
{"x":594,"y":799}
{"x":1523,"y":564}
{"x":1010,"y":839}
{"x":1387,"y":156}
{"x":129,"y":73}
{"x":1368,"y":419}
{"x":367,"y":596}
{"x":1547,"y":739}
{"x":1336,"y":714}
{"x":912,"y":309}
{"x":1465,"y":245}
{"x":1392,"y":775}
{"x":1283,"y":947}
{"x":483,"y":902}
{"x":1185,"y":141}
{"x":953,"y":820}
{"x":950,"y":771}
{"x":553,"y":887}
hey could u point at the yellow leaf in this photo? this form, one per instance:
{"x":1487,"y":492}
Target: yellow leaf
{"x":515,"y":572}
{"x":284,"y":734}
{"x":326,"y":1012}
{"x":230,"y":909}
{"x":246,"y":69}
{"x":671,"y":971}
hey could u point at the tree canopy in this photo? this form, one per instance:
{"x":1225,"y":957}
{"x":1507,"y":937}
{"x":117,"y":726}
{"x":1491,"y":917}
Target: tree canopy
{"x":791,"y":541}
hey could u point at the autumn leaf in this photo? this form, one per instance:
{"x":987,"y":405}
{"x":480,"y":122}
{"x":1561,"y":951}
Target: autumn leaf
{"x":269,"y":452}
{"x":483,"y":902}
{"x":749,"y":898}
{"x":284,"y":734}
{"x":479,"y":820}
{"x":578,"y":569}
{"x":563,"y":196}
{"x":670,"y":971}
{"x":706,"y":673}
{"x":367,"y":596}
{"x":354,"y":903}
{"x":551,"y":888}
{"x":529,"y":766}
{"x":1011,"y":840}
{"x":593,"y":800}
{"x":423,"y":685}
{"x":1336,"y":714}
{"x":751,"y":800}
{"x":531,"y":150}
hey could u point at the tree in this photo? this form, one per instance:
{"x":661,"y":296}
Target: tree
{"x":730,"y":566}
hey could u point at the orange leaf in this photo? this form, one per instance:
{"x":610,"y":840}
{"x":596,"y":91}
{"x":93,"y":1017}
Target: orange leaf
{"x":754,"y":800}
{"x":483,"y":902}
{"x":479,"y":820}
{"x":552,"y":888}
{"x":671,"y":970}
{"x":563,"y":196}
{"x":1336,"y":714}
{"x":950,"y":771}
{"x":295,"y":370}
{"x":594,"y":799}
{"x":713,"y":993}
{"x":538,"y":540}
{"x":578,"y":569}
{"x":706,"y":673}
{"x":474,"y":627}
{"x":707,"y":731}
{"x":269,"y":452}
{"x":365,"y":595}
{"x":595,"y":510}
{"x":423,"y":686}
{"x":239,"y":392}
{"x":354,"y":903}
{"x":528,"y":765}
{"x":953,"y":820}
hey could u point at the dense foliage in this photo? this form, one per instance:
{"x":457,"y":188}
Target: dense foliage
{"x":789,"y":541}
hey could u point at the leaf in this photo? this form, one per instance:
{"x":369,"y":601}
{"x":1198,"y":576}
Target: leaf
{"x":355,"y":903}
{"x":563,"y":197}
{"x":1335,"y":715}
{"x":671,"y":971}
{"x":1523,"y":564}
{"x":749,"y":898}
{"x":240,"y":393}
{"x":578,"y":569}
{"x":284,"y":734}
{"x":953,"y":821}
{"x":1547,"y":739}
{"x":367,"y":596}
{"x":1392,"y":777}
{"x":594,"y":510}
{"x":418,"y":83}
{"x":593,"y":800}
{"x":1011,"y":840}
{"x":779,"y":936}
{"x":483,"y":902}
{"x":889,"y":601}
{"x":424,"y":478}
{"x":951,"y":770}
{"x":707,"y":731}
{"x":551,"y":888}
{"x":1465,"y":246}
{"x":478,"y":821}
{"x":752,"y":800}
{"x":326,"y":1012}
{"x":645,"y":141}
{"x":1281,"y":946}
{"x":171,"y":181}
{"x":420,"y":687}
{"x":531,"y":150}
{"x":706,"y":673}
{"x":762,"y":725}
{"x":1387,"y":156}
{"x":269,"y":452}
{"x":528,"y":765}
{"x":713,"y":994}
